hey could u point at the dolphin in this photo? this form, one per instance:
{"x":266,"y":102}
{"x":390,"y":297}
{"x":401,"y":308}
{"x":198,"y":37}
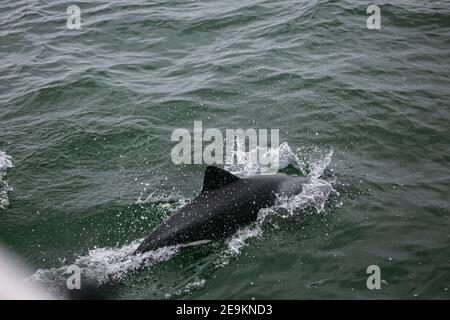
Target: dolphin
{"x":225,"y":203}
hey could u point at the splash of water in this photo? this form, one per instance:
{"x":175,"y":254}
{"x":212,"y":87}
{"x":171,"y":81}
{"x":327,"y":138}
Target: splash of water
{"x":314,"y":194}
{"x":106,"y":264}
{"x":6,"y":162}
{"x":282,"y":155}
{"x":101,"y":265}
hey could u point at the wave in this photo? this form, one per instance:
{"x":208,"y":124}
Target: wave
{"x":6,"y":162}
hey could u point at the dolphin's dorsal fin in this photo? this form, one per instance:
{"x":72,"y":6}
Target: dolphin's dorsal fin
{"x":216,"y":178}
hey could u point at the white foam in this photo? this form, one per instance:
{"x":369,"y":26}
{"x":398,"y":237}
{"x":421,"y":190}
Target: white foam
{"x":109,"y":264}
{"x":283,"y":156}
{"x":6,"y":162}
{"x":314,"y":194}
{"x":104,"y":264}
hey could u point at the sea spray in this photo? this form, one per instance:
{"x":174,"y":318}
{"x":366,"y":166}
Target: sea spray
{"x":6,"y":162}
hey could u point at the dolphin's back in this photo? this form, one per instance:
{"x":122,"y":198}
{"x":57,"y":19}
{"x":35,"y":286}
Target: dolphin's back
{"x":225,"y":203}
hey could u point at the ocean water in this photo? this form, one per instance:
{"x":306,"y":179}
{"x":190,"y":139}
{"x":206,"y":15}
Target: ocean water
{"x":86,"y":118}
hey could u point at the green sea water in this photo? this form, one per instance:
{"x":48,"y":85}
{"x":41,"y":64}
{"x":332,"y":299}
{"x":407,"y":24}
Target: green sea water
{"x":86,"y":118}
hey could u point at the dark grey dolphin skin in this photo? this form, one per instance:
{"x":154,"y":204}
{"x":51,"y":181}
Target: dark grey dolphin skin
{"x":225,"y":203}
